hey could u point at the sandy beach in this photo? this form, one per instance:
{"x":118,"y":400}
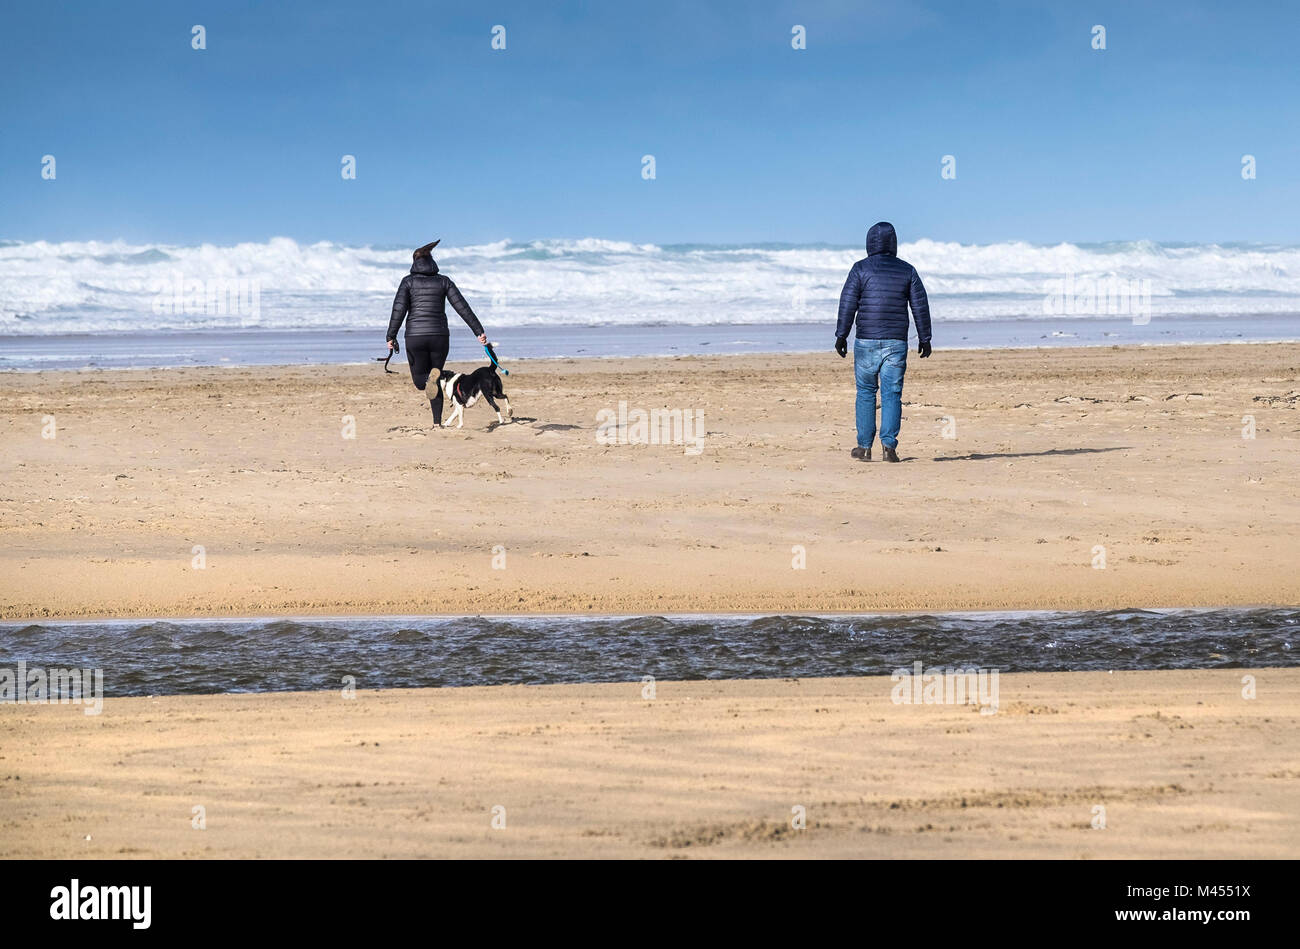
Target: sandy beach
{"x":256,"y":605}
{"x":1055,"y":454}
{"x":1180,"y":763}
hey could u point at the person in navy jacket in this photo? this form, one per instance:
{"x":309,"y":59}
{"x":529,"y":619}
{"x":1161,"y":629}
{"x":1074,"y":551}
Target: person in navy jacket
{"x":876,"y":296}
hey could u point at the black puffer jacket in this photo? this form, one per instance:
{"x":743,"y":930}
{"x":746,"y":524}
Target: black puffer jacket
{"x":879,"y":290}
{"x":423,"y":293}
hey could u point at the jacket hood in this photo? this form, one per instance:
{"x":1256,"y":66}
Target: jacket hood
{"x":424,"y":265}
{"x":881,"y":239}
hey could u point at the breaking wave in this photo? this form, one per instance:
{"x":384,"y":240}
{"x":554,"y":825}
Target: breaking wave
{"x":114,"y":286}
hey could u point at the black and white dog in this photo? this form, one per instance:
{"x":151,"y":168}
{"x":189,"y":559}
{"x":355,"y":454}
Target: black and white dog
{"x":463,"y":390}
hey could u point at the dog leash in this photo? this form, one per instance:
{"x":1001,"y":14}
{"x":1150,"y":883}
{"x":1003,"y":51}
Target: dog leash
{"x":487,"y":348}
{"x":384,"y":359}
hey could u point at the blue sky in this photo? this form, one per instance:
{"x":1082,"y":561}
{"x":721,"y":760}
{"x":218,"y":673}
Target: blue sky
{"x":753,"y":140}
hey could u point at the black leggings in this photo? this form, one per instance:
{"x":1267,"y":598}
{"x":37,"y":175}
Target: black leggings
{"x":425,"y":355}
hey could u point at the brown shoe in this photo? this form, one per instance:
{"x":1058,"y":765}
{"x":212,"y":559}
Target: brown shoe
{"x":862,"y":454}
{"x":890,"y":454}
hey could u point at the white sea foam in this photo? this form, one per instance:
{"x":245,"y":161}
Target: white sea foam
{"x":103,"y":286}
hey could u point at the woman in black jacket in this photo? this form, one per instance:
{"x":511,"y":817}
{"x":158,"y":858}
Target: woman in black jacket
{"x":422,"y":302}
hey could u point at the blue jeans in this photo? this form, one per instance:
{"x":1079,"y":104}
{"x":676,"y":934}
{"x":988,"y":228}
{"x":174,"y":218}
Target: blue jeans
{"x":886,"y":358}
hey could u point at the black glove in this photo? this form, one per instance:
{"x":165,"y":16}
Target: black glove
{"x":924,"y":349}
{"x":842,"y":346}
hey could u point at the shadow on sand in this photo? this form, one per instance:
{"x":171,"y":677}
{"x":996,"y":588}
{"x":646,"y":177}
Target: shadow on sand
{"x":522,"y":420}
{"x":977,"y":456}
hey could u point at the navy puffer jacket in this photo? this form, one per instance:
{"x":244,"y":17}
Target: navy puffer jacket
{"x":879,"y":289}
{"x":423,"y":293}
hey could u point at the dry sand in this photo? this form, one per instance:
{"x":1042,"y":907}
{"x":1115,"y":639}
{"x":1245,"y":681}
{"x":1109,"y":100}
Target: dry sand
{"x":1182,"y":764}
{"x":1138,"y":450}
{"x":1056,"y":452}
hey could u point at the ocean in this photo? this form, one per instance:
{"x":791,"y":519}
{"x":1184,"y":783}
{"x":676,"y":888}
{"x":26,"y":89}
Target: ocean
{"x":75,"y":304}
{"x":168,"y":657}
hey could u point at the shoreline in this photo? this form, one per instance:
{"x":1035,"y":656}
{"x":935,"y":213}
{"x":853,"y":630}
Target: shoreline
{"x":71,"y":616}
{"x":1180,"y":763}
{"x":1136,"y":450}
{"x":536,"y":360}
{"x":559,"y":614}
{"x":342,"y":346}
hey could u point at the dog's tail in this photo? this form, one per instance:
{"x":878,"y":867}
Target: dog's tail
{"x":492,"y":358}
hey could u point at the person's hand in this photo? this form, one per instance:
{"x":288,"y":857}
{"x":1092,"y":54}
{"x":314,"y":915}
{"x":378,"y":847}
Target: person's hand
{"x":924,"y":349}
{"x":482,"y":338}
{"x":390,"y":344}
{"x":842,"y":346}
